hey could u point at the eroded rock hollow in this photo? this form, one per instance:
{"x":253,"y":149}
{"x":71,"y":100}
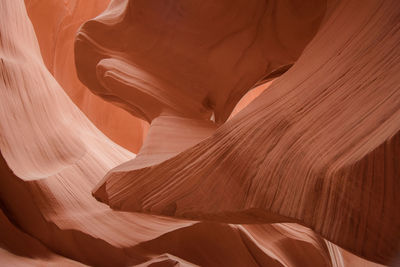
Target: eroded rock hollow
{"x":266,"y":133}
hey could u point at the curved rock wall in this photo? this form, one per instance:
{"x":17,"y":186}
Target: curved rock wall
{"x":309,"y":165}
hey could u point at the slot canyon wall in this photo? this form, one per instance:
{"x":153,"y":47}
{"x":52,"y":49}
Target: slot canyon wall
{"x":199,"y":133}
{"x":56,"y":23}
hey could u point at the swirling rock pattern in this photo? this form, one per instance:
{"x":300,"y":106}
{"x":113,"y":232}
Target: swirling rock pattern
{"x":193,"y":58}
{"x":55,"y":23}
{"x":318,"y":147}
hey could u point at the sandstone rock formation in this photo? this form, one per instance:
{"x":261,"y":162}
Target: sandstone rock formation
{"x":56,"y":23}
{"x":319,"y":146}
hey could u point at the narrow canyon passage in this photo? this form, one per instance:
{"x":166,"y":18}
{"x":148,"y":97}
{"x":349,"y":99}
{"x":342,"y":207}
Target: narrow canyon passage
{"x":265,"y":133}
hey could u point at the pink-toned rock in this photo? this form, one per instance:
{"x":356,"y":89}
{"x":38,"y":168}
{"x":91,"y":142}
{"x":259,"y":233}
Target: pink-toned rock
{"x":56,"y":23}
{"x":192,"y":163}
{"x":319,"y":147}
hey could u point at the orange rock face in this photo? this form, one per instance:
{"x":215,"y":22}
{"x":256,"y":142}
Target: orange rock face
{"x":273,"y":138}
{"x":56,"y":23}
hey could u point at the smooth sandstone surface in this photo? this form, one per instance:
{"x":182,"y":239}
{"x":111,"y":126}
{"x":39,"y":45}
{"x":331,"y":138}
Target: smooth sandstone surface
{"x":192,"y":59}
{"x":20,"y":249}
{"x":320,"y":147}
{"x":259,"y":167}
{"x":56,"y":23}
{"x":52,"y":156}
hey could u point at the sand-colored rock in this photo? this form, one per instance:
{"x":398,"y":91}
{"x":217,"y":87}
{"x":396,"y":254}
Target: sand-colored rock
{"x":190,"y":59}
{"x":19,"y":249}
{"x":320,"y":147}
{"x":173,"y":69}
{"x":52,"y":157}
{"x":160,"y":77}
{"x":56,"y":23}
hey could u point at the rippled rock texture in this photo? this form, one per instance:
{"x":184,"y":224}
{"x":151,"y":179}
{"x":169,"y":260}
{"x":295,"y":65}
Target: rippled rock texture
{"x":271,"y":133}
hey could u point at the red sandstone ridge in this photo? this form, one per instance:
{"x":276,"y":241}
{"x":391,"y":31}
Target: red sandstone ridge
{"x":310,"y":165}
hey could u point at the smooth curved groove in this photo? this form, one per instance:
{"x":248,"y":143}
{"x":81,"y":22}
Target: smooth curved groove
{"x":321,"y":145}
